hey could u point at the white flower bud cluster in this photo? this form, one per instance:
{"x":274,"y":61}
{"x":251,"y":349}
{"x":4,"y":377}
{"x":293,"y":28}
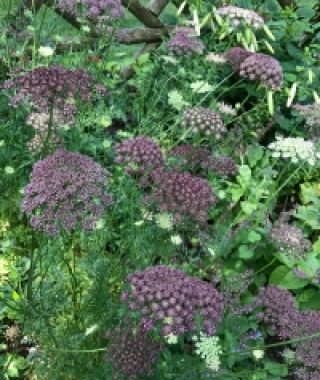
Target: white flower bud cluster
{"x":240,"y":16}
{"x":296,"y":149}
{"x":209,"y":349}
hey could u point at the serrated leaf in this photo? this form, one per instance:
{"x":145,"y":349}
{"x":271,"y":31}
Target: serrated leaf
{"x":175,"y":100}
{"x":201,"y":87}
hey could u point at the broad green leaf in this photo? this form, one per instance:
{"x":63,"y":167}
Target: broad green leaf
{"x":291,"y":281}
{"x":253,"y":237}
{"x":254,"y":154}
{"x":278,"y":275}
{"x":245,"y":252}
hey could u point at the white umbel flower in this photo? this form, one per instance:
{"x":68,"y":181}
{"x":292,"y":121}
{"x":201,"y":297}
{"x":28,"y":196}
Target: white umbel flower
{"x":209,"y":349}
{"x":237,"y":16}
{"x":258,"y":354}
{"x":46,"y":51}
{"x":226,"y":109}
{"x":296,"y":149}
{"x":218,"y":59}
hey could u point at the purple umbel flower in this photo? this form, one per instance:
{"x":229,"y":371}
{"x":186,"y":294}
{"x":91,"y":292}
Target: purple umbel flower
{"x":308,"y":352}
{"x":280,"y":313}
{"x":183,"y":195}
{"x":102,"y":10}
{"x":198,"y":160}
{"x":141,"y":155}
{"x":204,"y":121}
{"x":191,"y":157}
{"x":279,"y":310}
{"x":289,"y":239}
{"x":170,"y":297}
{"x":51,"y":87}
{"x":131,"y":352}
{"x":66,"y":189}
{"x":225,"y":166}
{"x":235,"y":56}
{"x":184,"y":42}
{"x":263,"y":68}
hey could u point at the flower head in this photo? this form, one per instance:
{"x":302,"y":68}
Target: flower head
{"x":209,"y":349}
{"x":235,"y":56}
{"x":296,"y":149}
{"x":191,"y":157}
{"x":218,"y":59}
{"x":263,"y":68}
{"x":46,"y":51}
{"x":226,"y":109}
{"x":12,"y":334}
{"x":39,"y":121}
{"x":140,"y":155}
{"x":131,"y":352}
{"x":225,"y":166}
{"x":51,"y":87}
{"x":173,"y":299}
{"x":184,"y":42}
{"x":240,"y":16}
{"x":183,"y":195}
{"x":98,"y":12}
{"x":66,"y":189}
{"x":290,"y":239}
{"x":203,"y":121}
{"x":279,"y":310}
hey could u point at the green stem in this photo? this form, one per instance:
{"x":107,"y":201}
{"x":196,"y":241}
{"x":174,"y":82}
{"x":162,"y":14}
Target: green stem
{"x":46,"y":144}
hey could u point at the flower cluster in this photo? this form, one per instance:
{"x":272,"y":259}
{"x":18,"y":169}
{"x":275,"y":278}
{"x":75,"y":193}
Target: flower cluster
{"x":296,"y":149}
{"x":51,"y":87}
{"x":308,"y":352}
{"x":39,"y":121}
{"x":185,"y":42}
{"x":197,"y":159}
{"x":131,"y":352}
{"x":240,"y":16}
{"x":281,"y":314}
{"x":235,"y":56}
{"x":97,"y":11}
{"x":225,"y":166}
{"x":253,"y":66}
{"x":226,"y":109}
{"x":218,"y":59}
{"x":290,"y":239}
{"x":203,"y":120}
{"x":279,"y":310}
{"x":263,"y":68}
{"x":192,"y":157}
{"x":169,"y":296}
{"x":183,"y":195}
{"x":209,"y":349}
{"x":311,"y":113}
{"x":12,"y":334}
{"x":66,"y":189}
{"x":141,"y":155}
